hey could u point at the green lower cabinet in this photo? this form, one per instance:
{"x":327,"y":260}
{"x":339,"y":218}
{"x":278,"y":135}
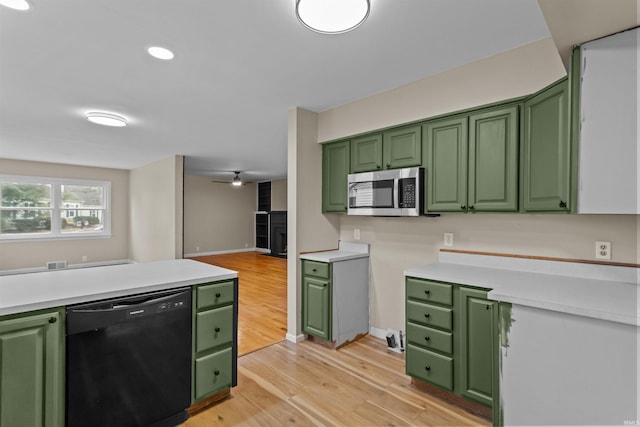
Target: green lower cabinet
{"x":212,"y":372}
{"x":32,"y":369}
{"x":429,"y":366}
{"x":478,"y":346}
{"x":452,"y":342}
{"x":215,"y":347}
{"x":316,"y":307}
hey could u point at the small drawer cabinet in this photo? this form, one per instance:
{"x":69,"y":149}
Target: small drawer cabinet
{"x":452,"y":338}
{"x":215,"y":350}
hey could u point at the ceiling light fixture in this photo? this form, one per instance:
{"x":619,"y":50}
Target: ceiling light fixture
{"x":236,"y":179}
{"x":332,"y":16}
{"x":160,"y":53}
{"x":16,"y":4}
{"x":106,"y":119}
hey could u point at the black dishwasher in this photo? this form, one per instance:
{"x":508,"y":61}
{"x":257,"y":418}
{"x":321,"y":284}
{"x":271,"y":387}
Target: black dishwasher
{"x":129,"y":360}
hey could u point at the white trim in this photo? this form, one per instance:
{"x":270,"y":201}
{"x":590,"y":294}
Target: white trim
{"x":378,"y":333}
{"x":229,"y":251}
{"x":69,"y":267}
{"x":296,"y":338}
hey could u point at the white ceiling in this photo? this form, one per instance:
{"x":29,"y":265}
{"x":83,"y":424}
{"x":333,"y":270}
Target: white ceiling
{"x":240,"y":65}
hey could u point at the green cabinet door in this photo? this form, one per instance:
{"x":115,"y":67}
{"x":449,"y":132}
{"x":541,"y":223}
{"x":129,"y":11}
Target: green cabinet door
{"x":546,"y":150}
{"x":32,"y":369}
{"x":446,"y":144}
{"x":478,"y":346}
{"x":366,"y":153}
{"x":335,"y":168}
{"x":402,"y":147}
{"x":316,"y":307}
{"x":493,"y":160}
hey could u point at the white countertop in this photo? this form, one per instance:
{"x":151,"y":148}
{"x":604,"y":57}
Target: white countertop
{"x":567,"y":290}
{"x":34,"y":291}
{"x":345,"y":251}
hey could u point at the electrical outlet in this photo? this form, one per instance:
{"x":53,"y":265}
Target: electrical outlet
{"x":84,"y":258}
{"x":197,"y":248}
{"x":356,"y":234}
{"x":448,"y":239}
{"x":603,"y":250}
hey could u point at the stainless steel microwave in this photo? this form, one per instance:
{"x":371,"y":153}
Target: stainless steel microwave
{"x":395,"y":192}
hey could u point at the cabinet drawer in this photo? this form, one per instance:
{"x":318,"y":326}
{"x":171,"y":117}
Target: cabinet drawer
{"x":424,"y":290}
{"x":214,"y":294}
{"x":212,"y":373}
{"x":429,"y":366}
{"x":214,"y":328}
{"x":430,"y":338}
{"x":429,"y":315}
{"x":316,"y":269}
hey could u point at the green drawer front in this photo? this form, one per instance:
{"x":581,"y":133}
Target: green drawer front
{"x":214,"y":294}
{"x":212,"y":373}
{"x":430,"y":338}
{"x":214,"y":328}
{"x":430,"y":367}
{"x":429,"y":315}
{"x":316,"y":269}
{"x":439,"y":293}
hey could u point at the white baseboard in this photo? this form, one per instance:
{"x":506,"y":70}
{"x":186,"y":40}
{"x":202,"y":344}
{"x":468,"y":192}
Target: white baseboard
{"x":378,"y":333}
{"x":295,"y":338}
{"x":69,"y":267}
{"x":229,"y":251}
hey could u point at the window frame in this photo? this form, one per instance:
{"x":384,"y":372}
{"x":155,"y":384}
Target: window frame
{"x":56,"y":208}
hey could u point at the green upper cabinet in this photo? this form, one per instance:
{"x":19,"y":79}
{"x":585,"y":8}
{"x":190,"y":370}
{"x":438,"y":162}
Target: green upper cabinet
{"x":402,"y":148}
{"x":32,"y":369}
{"x":547,"y":150}
{"x":446,"y":144}
{"x":478,"y":346}
{"x":366,"y":153}
{"x":493,"y":160}
{"x":335,"y":168}
{"x":472,"y":162}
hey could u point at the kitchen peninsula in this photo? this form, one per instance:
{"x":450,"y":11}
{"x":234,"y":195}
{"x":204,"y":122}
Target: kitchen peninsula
{"x":33,"y":327}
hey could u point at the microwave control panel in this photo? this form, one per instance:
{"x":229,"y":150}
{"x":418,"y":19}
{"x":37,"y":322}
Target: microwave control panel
{"x":407,"y":189}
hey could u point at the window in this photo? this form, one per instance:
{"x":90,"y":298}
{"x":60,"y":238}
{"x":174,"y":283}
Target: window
{"x":52,"y":208}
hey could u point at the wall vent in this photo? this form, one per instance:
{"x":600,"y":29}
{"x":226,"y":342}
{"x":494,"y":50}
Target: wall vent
{"x":56,"y":265}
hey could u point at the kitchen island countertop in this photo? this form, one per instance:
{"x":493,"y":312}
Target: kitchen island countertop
{"x":34,"y":291}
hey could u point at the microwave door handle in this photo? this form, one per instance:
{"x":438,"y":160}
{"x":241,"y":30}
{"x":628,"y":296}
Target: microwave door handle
{"x":396,"y":196}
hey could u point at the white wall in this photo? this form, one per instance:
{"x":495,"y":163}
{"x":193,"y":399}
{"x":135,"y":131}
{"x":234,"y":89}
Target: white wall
{"x":156,"y":210}
{"x":218,"y":217}
{"x":17,"y":255}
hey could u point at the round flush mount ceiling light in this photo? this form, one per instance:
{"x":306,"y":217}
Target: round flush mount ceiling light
{"x":106,"y":119}
{"x":332,"y":16}
{"x":15,"y":4}
{"x":160,"y":53}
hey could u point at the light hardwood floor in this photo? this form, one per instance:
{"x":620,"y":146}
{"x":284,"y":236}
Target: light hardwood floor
{"x":262,"y":290}
{"x":362,"y":384}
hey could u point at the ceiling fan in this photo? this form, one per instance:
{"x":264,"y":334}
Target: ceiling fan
{"x":236,"y":181}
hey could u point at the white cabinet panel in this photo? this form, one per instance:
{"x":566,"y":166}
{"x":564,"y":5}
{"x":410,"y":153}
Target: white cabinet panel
{"x":609,"y":158}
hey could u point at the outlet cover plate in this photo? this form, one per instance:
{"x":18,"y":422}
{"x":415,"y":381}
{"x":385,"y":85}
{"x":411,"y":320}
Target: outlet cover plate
{"x":603,"y":250}
{"x":448,"y":239}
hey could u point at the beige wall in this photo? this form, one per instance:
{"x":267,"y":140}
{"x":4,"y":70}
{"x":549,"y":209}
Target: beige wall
{"x":307,"y":228}
{"x":156,"y":210}
{"x":279,"y":195}
{"x":218,"y":217}
{"x":17,"y":255}
{"x":405,"y":242}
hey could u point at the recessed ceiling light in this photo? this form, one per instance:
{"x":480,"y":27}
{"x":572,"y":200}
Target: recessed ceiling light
{"x":332,"y":16}
{"x":160,"y":53}
{"x":106,"y":119}
{"x":16,"y":4}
